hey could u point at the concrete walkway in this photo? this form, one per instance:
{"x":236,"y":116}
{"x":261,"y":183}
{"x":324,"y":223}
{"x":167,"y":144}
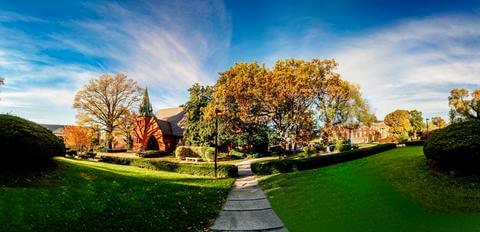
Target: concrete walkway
{"x":247,"y":208}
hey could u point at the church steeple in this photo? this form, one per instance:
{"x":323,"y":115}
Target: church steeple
{"x":146,"y":108}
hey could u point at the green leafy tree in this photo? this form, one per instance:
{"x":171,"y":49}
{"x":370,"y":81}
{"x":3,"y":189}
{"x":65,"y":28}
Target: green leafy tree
{"x":416,"y":121}
{"x":198,"y":132}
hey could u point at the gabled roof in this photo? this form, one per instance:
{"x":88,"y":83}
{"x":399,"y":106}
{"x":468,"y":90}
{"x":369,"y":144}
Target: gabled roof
{"x":52,"y":127}
{"x":175,"y":118}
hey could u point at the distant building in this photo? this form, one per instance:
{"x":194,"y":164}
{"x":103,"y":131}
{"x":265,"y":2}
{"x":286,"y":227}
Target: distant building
{"x":377,"y":132}
{"x":58,"y":130}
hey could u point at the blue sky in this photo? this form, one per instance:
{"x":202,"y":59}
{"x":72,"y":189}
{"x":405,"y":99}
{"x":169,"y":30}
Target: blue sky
{"x":404,"y":55}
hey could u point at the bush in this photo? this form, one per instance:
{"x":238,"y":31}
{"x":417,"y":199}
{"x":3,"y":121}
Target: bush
{"x":237,"y":154}
{"x":456,"y":146}
{"x":206,"y":153}
{"x":289,"y":165}
{"x":309,"y":150}
{"x":116,"y":160}
{"x":152,"y":154}
{"x":415,"y":143}
{"x":202,"y":169}
{"x":26,"y":145}
{"x":71,"y":152}
{"x":87,"y":155}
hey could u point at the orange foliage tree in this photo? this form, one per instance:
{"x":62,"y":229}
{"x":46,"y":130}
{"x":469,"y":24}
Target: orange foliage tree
{"x":77,"y":137}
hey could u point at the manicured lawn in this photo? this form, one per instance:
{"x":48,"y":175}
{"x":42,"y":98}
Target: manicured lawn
{"x":93,"y":196}
{"x":390,"y":191}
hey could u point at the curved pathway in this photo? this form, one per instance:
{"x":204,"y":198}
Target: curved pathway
{"x":247,"y":208}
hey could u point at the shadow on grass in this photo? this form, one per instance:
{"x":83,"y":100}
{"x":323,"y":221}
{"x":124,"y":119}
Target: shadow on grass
{"x":82,"y":196}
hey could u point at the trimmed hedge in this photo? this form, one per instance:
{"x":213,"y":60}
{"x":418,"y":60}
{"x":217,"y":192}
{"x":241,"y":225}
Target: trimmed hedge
{"x":26,"y":145}
{"x":152,"y":154}
{"x":456,"y":146}
{"x":291,"y":165}
{"x":206,"y":153}
{"x":414,"y":143}
{"x":201,"y":169}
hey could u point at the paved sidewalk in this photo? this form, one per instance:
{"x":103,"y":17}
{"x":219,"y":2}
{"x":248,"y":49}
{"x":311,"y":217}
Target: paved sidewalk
{"x":247,"y":208}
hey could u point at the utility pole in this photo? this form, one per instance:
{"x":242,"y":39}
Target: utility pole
{"x":217,"y":112}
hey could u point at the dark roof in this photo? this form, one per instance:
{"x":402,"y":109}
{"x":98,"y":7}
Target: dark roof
{"x":52,"y":127}
{"x":175,"y":118}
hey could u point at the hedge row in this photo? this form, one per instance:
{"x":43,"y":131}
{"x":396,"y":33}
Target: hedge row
{"x":415,"y":143}
{"x":152,"y":154}
{"x":200,"y":169}
{"x":206,"y":153}
{"x":291,"y":165}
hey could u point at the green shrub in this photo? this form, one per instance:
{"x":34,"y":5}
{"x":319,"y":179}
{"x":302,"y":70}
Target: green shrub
{"x":289,"y":165}
{"x":26,"y":145}
{"x":415,"y":143}
{"x":206,"y":153}
{"x":116,"y":160}
{"x":152,"y":154}
{"x":456,"y":146}
{"x":309,"y":150}
{"x":87,"y":155}
{"x":200,"y":169}
{"x":238,"y":154}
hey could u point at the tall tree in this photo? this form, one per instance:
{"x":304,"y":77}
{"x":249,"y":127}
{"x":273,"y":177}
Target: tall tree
{"x":464,"y":106}
{"x":106,"y":99}
{"x":416,"y":121}
{"x":126,"y":125}
{"x":399,"y":123}
{"x":198,"y":131}
{"x":340,"y":104}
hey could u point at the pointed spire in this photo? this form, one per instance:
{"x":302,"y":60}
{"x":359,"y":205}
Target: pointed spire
{"x":146,"y":107}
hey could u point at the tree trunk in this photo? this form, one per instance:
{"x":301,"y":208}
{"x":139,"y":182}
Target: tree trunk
{"x":108,"y":137}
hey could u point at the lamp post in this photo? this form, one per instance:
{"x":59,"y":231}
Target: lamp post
{"x":426,"y":136}
{"x":217,"y":113}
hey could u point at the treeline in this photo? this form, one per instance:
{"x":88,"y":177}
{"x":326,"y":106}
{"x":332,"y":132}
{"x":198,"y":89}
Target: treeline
{"x":286,"y":105}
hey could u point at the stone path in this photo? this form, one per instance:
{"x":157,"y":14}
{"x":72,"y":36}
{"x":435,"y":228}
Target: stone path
{"x":247,"y":208}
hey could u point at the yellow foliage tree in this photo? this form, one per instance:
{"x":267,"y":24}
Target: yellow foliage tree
{"x":399,"y":123}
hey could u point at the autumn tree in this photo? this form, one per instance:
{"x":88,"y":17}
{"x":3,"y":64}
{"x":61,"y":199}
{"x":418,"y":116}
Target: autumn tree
{"x":464,"y":106}
{"x":77,"y":137}
{"x":106,"y":99}
{"x":399,"y":123}
{"x":126,"y":125}
{"x":416,"y":121}
{"x":438,"y":123}
{"x":250,"y":94}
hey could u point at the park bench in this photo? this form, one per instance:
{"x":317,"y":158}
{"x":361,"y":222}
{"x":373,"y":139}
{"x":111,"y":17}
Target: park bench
{"x":194,"y":159}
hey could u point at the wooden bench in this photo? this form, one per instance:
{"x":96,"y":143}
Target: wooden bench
{"x":194,"y":159}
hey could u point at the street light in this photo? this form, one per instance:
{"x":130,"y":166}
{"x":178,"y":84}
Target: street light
{"x":426,"y":136}
{"x":217,"y":113}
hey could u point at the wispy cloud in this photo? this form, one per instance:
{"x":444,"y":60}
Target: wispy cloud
{"x":166,"y":47}
{"x":414,"y":63}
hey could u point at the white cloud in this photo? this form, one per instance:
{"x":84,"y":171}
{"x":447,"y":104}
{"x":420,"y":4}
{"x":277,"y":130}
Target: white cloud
{"x":413,"y":64}
{"x":165,"y":47}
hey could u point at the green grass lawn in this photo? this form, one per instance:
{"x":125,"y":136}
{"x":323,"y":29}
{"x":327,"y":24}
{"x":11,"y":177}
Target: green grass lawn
{"x":93,"y":196}
{"x":390,"y":191}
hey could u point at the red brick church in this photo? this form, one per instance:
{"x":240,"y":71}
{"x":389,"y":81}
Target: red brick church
{"x":162,"y":131}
